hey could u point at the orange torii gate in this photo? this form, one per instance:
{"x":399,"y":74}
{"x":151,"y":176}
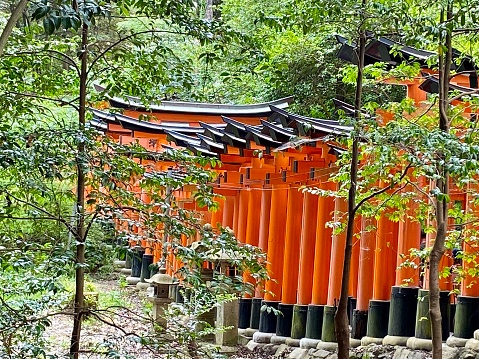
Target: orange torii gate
{"x":259,"y":179}
{"x":392,"y":305}
{"x":261,"y":193}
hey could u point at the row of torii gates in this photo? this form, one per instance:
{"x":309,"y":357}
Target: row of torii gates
{"x":261,"y":173}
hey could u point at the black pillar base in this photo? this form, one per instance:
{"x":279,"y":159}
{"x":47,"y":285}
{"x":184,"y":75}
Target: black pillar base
{"x":244,"y":312}
{"x":445,"y":304}
{"x":300,"y":316}
{"x":453,"y":316}
{"x":136,"y":259}
{"x":314,"y":321}
{"x":328,"y":334}
{"x":423,"y":326}
{"x":128,"y":256}
{"x":359,"y":324}
{"x":267,"y":319}
{"x":146,"y":261}
{"x":402,"y":311}
{"x":284,"y":320}
{"x":351,"y":306}
{"x":467,"y":317}
{"x":179,"y":295}
{"x":255,"y":313}
{"x":378,"y":317}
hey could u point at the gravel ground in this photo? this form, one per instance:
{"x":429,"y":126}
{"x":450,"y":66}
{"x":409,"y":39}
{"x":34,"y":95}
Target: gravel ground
{"x":98,"y":337}
{"x":113,"y":332}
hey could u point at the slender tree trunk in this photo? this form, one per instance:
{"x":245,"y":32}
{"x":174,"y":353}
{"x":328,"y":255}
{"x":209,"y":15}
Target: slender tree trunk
{"x":209,"y":10}
{"x":14,"y":17}
{"x":442,"y":185}
{"x":80,"y":225}
{"x":341,"y":316}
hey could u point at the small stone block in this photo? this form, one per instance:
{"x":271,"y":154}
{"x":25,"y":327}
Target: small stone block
{"x":329,"y":346}
{"x":242,"y":340}
{"x":226,"y":320}
{"x":293,"y":342}
{"x":125,"y":271}
{"x":354,"y":343}
{"x":472,"y":344}
{"x":260,"y":337}
{"x":476,"y":334}
{"x":119,"y":263}
{"x":242,"y":332}
{"x":395,"y":340}
{"x":449,"y":352}
{"x":403,"y":352}
{"x":298,"y":353}
{"x":279,"y":352}
{"x":227,"y":350}
{"x":142,"y":286}
{"x":307,"y":343}
{"x":248,"y":332}
{"x":252,"y":345}
{"x":365,"y":341}
{"x":456,"y":342}
{"x":419,"y":344}
{"x":132,"y":280}
{"x":270,"y":349}
{"x":320,"y":353}
{"x":277,"y":339}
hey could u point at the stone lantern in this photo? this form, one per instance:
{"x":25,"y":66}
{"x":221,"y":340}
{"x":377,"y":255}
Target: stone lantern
{"x":227,"y":314}
{"x":162,"y":285}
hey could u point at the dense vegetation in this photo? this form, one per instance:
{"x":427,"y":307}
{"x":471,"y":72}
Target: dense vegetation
{"x":233,"y":52}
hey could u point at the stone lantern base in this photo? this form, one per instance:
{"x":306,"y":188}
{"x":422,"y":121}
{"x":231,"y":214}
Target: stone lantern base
{"x":159,"y":306}
{"x":227,"y":316}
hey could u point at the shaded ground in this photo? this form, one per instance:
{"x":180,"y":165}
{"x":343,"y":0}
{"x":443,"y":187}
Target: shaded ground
{"x":112,"y":332}
{"x":267,"y":352}
{"x":118,"y":329}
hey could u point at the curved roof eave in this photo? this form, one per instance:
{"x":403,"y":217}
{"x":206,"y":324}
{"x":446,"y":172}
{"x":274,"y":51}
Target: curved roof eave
{"x":199,"y":108}
{"x":431,"y":85}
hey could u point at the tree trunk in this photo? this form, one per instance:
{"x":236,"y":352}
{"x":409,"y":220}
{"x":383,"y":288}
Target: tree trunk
{"x":14,"y":17}
{"x":80,"y":203}
{"x":341,"y":317}
{"x":209,"y":10}
{"x":442,"y":185}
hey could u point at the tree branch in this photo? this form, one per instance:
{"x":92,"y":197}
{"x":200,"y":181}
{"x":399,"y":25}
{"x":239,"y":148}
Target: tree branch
{"x":32,"y":95}
{"x":472,"y":92}
{"x":14,"y":17}
{"x":67,"y":59}
{"x":382,"y":190}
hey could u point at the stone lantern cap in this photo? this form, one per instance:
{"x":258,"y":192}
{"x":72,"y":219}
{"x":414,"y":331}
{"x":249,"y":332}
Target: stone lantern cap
{"x":161,"y":278}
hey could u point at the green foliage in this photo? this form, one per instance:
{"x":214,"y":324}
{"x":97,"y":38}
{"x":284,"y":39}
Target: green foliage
{"x":31,"y":293}
{"x":266,"y":50}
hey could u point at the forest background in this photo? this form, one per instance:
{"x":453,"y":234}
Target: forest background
{"x":219,"y":52}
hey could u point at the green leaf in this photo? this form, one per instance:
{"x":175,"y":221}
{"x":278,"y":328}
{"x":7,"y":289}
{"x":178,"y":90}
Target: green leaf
{"x":39,"y":12}
{"x":57,"y":21}
{"x":48,"y":25}
{"x":66,"y":22}
{"x":75,"y":22}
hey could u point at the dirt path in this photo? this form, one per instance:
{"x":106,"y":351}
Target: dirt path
{"x":117,"y":330}
{"x":112,"y":331}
